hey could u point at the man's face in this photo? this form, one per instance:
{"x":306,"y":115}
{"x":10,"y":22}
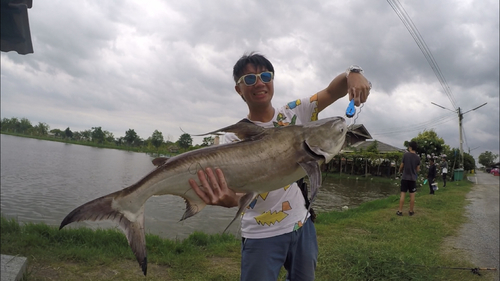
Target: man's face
{"x":259,"y":94}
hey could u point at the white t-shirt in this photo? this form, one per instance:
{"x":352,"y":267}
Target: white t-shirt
{"x":445,"y":167}
{"x":283,"y":210}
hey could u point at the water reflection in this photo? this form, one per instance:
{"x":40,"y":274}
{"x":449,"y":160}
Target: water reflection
{"x":42,"y":181}
{"x":335,"y":194}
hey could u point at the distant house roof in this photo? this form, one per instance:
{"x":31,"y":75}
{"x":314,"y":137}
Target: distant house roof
{"x":381,"y":147}
{"x":360,"y":130}
{"x":173,"y":148}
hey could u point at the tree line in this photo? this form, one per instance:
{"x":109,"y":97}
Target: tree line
{"x":369,"y":161}
{"x":96,"y":136}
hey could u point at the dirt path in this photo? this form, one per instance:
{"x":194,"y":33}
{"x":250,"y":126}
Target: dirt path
{"x":479,"y":236}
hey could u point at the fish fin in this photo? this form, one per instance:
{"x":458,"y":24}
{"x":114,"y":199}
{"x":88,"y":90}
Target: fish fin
{"x":242,"y":130}
{"x":160,"y":161}
{"x":102,"y":209}
{"x":243,"y":203}
{"x":136,"y":238}
{"x":194,"y":204}
{"x":313,"y":172}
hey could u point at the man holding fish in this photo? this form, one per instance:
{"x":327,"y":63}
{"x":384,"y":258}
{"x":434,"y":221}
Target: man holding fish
{"x":276,"y":227}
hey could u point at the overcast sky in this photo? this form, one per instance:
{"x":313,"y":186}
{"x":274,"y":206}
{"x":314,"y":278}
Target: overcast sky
{"x":162,"y":65}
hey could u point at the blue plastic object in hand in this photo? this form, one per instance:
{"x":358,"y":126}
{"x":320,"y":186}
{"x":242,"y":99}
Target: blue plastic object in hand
{"x":351,"y":110}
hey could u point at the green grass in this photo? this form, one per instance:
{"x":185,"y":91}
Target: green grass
{"x":104,"y":247}
{"x":366,"y":243}
{"x":372,"y":243}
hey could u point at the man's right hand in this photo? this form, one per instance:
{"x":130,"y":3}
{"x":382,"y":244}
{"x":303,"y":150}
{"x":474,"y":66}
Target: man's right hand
{"x":213,"y":189}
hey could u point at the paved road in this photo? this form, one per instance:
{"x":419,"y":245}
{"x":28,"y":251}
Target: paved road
{"x":479,"y":236}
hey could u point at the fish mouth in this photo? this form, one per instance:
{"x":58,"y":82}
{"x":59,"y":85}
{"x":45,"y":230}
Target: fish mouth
{"x":311,"y":153}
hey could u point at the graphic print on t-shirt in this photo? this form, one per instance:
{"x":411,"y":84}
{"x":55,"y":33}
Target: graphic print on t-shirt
{"x":281,"y":121}
{"x":269,"y":217}
{"x":314,"y":116}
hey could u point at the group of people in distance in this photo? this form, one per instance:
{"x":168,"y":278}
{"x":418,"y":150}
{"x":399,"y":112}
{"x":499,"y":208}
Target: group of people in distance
{"x":432,"y":173}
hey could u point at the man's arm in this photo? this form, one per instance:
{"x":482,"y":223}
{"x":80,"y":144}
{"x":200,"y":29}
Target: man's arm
{"x":356,"y":85}
{"x":401,"y":168}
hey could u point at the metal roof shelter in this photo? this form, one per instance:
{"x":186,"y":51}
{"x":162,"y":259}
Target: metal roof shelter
{"x":15,"y":29}
{"x":359,"y":130}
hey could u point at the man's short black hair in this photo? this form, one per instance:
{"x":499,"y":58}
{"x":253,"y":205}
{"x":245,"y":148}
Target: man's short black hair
{"x":413,"y":145}
{"x":256,"y":59}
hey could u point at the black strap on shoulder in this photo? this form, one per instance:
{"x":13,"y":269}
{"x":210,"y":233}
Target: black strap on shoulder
{"x":303,"y":187}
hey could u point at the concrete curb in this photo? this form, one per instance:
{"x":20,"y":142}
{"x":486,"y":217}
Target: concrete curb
{"x":13,"y":268}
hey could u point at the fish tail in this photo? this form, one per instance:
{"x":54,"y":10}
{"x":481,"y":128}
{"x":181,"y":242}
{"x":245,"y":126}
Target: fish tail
{"x":102,"y":209}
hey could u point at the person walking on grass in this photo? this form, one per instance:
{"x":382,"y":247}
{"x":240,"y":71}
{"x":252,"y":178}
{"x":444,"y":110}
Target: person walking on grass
{"x":410,"y":166}
{"x":431,"y":175}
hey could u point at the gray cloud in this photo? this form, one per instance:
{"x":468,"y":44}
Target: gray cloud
{"x":161,"y":65}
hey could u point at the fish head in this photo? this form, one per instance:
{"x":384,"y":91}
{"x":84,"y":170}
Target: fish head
{"x":326,"y":137}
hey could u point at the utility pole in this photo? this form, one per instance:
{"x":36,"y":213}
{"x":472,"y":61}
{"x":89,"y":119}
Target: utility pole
{"x":460,"y":117}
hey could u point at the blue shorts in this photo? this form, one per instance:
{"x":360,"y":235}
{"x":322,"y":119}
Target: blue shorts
{"x":407,"y":185}
{"x":297,"y":251}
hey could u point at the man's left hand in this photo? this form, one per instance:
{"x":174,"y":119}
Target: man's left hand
{"x":358,"y":88}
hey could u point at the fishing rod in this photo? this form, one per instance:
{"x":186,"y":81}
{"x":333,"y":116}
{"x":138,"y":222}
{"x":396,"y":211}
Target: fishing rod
{"x":473,"y":270}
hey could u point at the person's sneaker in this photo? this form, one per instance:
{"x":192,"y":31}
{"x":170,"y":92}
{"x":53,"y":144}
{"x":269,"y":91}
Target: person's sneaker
{"x":411,"y":213}
{"x":399,"y":213}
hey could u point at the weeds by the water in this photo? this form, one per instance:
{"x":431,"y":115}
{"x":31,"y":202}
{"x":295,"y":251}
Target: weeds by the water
{"x":48,"y":247}
{"x":366,"y":243}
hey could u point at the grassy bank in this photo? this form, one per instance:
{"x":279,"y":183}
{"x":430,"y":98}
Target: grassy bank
{"x":366,"y":243}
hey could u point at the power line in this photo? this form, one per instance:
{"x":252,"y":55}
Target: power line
{"x":396,"y":6}
{"x":416,"y":127}
{"x":400,"y":11}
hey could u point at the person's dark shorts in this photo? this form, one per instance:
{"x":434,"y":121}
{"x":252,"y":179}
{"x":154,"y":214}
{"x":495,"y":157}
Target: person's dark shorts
{"x":407,"y":185}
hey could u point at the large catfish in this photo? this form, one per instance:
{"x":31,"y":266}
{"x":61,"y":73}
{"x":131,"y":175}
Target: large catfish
{"x":264,"y":160}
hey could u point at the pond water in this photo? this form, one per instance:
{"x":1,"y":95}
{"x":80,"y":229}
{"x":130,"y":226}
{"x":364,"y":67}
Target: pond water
{"x":42,"y":181}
